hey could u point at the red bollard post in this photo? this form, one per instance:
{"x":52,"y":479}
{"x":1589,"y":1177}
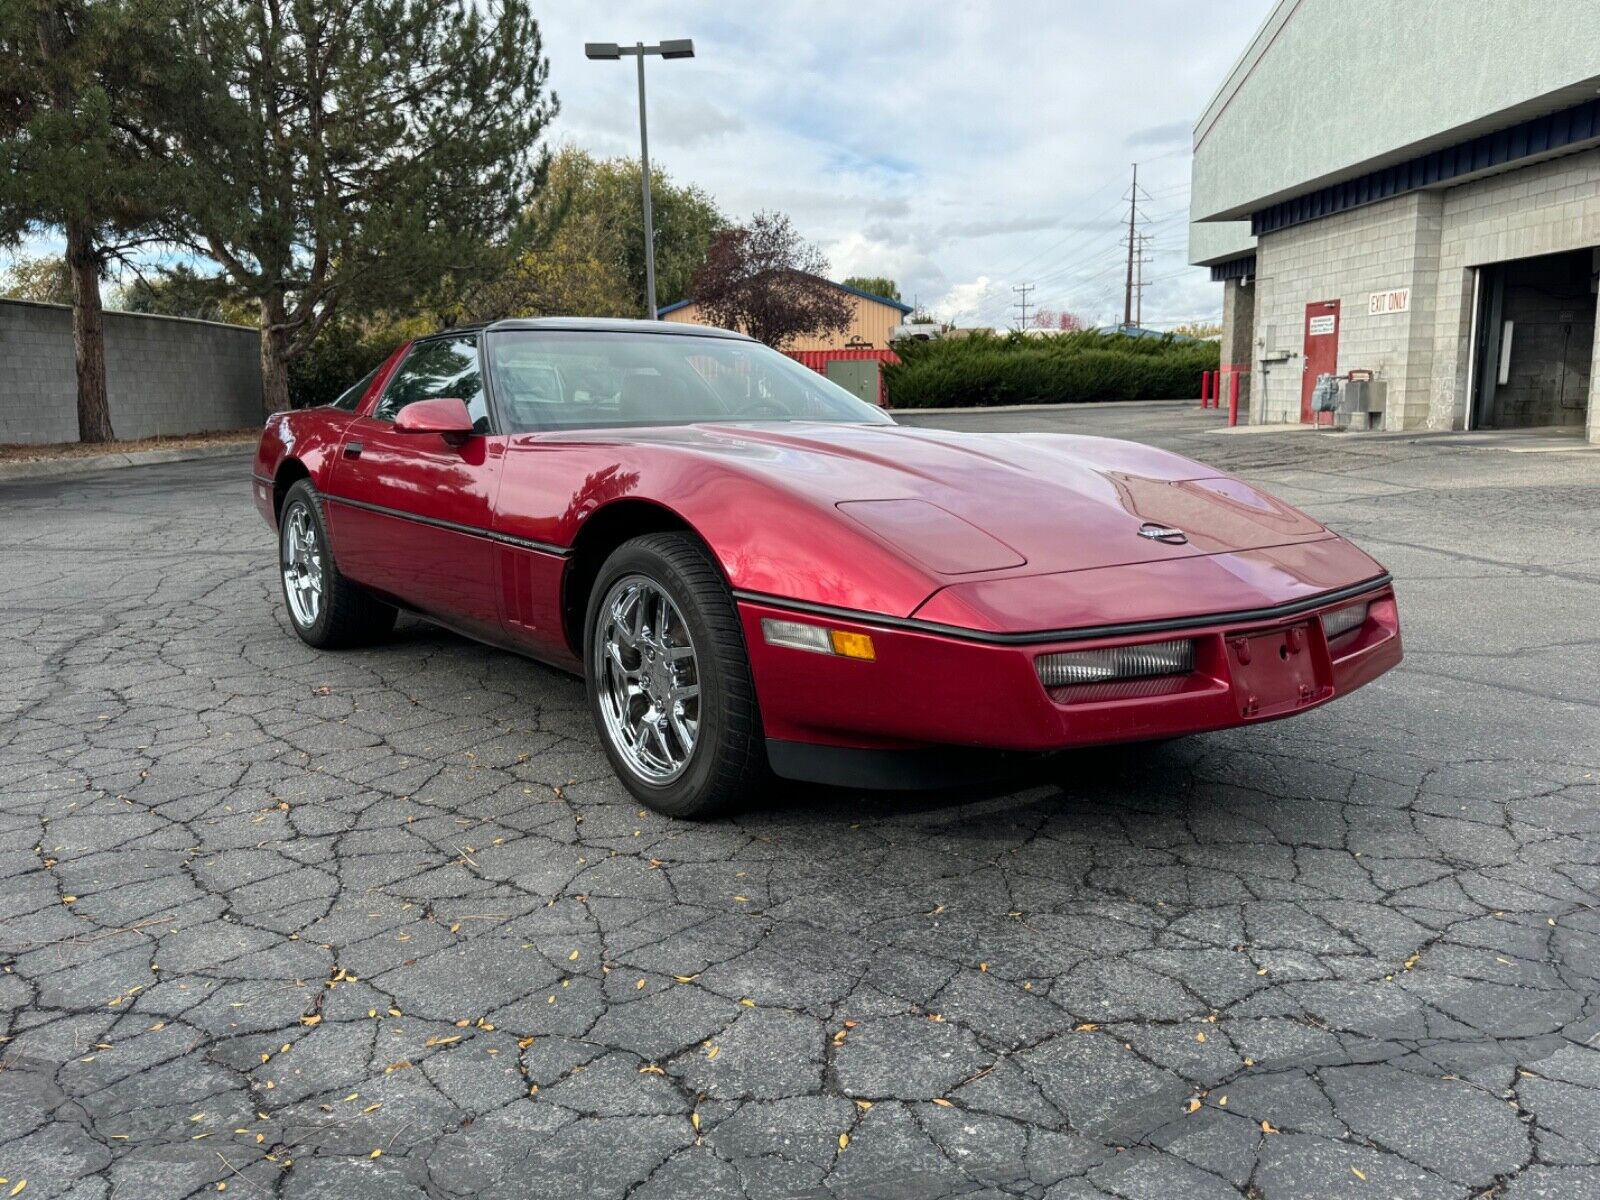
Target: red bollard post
{"x":1205,"y":389}
{"x":1233,"y":400}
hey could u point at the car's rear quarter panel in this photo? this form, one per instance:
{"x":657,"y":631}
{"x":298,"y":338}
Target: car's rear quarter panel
{"x":310,"y":437}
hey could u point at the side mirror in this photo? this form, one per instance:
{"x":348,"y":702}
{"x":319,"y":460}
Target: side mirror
{"x":446,"y":416}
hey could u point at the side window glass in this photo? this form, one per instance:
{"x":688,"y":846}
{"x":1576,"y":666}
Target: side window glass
{"x":433,"y":370}
{"x":351,"y":398}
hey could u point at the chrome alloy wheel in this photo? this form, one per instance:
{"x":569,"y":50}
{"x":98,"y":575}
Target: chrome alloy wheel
{"x":302,"y":566}
{"x":647,"y":679}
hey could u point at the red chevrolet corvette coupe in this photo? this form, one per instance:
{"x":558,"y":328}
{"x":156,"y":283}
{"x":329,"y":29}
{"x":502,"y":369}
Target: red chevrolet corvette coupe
{"x":757,"y":572}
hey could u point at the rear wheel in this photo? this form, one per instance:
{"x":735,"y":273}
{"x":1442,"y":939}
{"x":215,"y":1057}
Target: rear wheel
{"x":325,"y":608}
{"x":669,"y":681}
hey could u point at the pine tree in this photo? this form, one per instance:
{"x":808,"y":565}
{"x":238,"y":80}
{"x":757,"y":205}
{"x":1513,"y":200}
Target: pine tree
{"x":70,"y":162}
{"x":355,"y":154}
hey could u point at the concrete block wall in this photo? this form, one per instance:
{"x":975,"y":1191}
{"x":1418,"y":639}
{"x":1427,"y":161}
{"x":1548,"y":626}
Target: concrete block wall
{"x":1238,"y":340}
{"x":1393,"y":244}
{"x":165,"y":376}
{"x":1592,"y":429}
{"x":1541,"y":209}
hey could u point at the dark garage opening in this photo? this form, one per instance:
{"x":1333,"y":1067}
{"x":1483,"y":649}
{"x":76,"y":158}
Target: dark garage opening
{"x":1535,"y":341}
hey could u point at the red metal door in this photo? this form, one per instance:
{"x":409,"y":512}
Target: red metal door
{"x":1321,"y":349}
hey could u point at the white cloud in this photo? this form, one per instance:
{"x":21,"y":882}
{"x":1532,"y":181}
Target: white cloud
{"x":972,"y":302}
{"x":961,"y":148}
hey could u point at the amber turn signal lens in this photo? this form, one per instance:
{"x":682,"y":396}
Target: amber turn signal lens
{"x":852,"y":645}
{"x":798,"y":635}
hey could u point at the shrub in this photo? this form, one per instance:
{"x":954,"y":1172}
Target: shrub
{"x":343,"y":352}
{"x":1070,"y":368}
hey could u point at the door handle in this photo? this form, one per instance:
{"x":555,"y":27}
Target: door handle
{"x":352,"y":449}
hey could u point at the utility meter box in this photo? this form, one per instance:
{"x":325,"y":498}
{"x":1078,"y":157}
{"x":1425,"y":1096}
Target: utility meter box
{"x":1361,"y":401}
{"x":1325,"y":394}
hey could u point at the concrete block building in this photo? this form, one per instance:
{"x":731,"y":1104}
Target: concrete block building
{"x":1411,"y":189}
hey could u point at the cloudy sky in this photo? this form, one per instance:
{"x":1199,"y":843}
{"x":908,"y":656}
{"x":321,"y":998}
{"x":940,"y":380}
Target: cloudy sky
{"x":961,"y":148}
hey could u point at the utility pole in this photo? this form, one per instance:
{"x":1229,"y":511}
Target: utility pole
{"x":1133,"y":216}
{"x":1022,"y":290}
{"x":1138,"y":283}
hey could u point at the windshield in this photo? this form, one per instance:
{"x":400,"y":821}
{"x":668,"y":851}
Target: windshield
{"x":563,"y":379}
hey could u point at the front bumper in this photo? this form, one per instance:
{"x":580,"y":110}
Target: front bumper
{"x":931,"y":687}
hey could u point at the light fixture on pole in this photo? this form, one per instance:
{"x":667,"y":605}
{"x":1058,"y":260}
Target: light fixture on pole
{"x":677,"y":48}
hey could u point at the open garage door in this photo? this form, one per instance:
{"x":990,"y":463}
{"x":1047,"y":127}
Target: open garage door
{"x":1535,"y":342}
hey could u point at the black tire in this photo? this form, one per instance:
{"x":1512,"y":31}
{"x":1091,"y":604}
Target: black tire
{"x":347,"y":615}
{"x":728,"y":764}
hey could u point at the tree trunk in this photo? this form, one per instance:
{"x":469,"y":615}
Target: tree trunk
{"x":88,"y":335}
{"x":274,"y":357}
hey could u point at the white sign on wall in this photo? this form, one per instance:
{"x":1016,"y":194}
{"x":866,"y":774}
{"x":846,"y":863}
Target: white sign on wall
{"x":1381,"y":304}
{"x":1322,"y":325}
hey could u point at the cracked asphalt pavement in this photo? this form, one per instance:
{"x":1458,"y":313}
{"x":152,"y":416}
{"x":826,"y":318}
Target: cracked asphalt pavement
{"x":381,"y":924}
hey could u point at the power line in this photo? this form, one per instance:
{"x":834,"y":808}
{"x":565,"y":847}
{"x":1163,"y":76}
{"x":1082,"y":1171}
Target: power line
{"x":1090,"y":255}
{"x":1073,"y":252}
{"x":1085,"y":231}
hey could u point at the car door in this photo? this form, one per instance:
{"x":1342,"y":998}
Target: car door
{"x":411,"y":513}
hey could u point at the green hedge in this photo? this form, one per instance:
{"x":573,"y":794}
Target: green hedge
{"x":1069,"y":368}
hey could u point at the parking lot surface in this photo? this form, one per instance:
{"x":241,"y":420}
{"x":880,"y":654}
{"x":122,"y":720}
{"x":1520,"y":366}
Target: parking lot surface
{"x":381,"y":924}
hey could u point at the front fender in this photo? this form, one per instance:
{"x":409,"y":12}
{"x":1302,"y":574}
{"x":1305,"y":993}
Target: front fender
{"x":770,"y":539}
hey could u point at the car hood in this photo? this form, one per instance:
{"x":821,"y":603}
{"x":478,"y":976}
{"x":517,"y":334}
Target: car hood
{"x":959,"y":504}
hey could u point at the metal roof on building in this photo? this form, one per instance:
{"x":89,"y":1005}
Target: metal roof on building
{"x":843,"y":287}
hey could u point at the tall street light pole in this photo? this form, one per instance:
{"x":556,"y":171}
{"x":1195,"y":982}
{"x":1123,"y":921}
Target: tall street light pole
{"x":678,"y":48}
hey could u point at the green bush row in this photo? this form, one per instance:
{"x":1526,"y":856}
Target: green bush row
{"x":1070,"y":368}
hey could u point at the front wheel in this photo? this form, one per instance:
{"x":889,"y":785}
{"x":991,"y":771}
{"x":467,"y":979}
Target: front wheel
{"x":669,"y":681}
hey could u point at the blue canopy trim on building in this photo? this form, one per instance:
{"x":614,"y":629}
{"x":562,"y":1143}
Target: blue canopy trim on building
{"x":1234,"y":268}
{"x":1566,"y":129}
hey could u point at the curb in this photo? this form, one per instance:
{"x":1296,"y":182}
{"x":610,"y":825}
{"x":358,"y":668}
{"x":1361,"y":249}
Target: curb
{"x":1269,"y":428}
{"x":1067,"y":407}
{"x":52,"y":468}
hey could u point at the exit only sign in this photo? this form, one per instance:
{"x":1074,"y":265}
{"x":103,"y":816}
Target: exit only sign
{"x":1381,"y":304}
